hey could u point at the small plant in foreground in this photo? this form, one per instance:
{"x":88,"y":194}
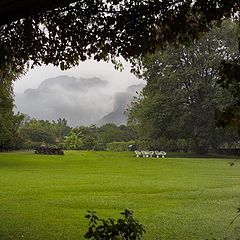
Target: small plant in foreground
{"x":126,"y":228}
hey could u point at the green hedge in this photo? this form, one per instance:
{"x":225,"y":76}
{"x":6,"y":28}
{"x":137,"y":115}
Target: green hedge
{"x":119,"y":146}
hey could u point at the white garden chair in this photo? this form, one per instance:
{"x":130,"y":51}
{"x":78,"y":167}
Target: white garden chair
{"x":138,"y":153}
{"x":148,"y":154}
{"x":163,"y":154}
{"x":157,"y":153}
{"x":145,"y":153}
{"x":151,"y":153}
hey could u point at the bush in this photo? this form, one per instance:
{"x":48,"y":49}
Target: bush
{"x":31,"y":145}
{"x":159,"y":144}
{"x":99,"y":147}
{"x":54,"y":150}
{"x":72,"y":141}
{"x":119,"y":146}
{"x":182,"y":145}
{"x":126,"y":228}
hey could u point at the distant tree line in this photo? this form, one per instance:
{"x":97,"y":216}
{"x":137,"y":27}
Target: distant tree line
{"x":33,"y":132}
{"x":30,"y":133}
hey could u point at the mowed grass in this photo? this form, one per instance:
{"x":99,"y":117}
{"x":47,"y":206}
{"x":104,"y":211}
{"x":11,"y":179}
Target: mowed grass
{"x":46,"y":197}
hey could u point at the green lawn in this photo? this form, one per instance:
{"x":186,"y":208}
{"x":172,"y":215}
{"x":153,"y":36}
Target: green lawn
{"x":46,"y":197}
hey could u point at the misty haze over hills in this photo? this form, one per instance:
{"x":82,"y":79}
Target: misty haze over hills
{"x":121,"y":101}
{"x":81,"y":101}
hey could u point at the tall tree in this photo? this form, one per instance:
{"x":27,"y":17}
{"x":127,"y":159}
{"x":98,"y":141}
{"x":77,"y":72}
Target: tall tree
{"x":61,"y":128}
{"x":182,"y":94}
{"x":9,"y":122}
{"x":35,"y":132}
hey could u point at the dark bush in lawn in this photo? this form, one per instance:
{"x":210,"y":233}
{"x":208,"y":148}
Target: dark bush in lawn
{"x":49,"y":150}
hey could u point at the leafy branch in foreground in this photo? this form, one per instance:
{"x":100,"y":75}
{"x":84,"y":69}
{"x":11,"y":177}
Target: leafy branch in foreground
{"x":126,"y":228}
{"x":65,"y":32}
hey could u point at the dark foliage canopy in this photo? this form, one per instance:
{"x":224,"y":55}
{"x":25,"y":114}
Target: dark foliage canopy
{"x":64,"y":32}
{"x":177,"y":107}
{"x":230,"y":79}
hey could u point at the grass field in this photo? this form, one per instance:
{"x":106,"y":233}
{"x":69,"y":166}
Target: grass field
{"x":46,"y":197}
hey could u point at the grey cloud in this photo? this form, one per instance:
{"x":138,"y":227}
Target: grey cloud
{"x":81,"y":101}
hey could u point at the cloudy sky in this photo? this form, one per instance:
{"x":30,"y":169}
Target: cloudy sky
{"x":87,"y":69}
{"x":80,"y":102}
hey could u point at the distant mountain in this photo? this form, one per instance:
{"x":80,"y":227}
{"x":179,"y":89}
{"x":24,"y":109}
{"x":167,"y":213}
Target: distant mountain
{"x":81,"y":101}
{"x":121,"y":101}
{"x":72,"y":83}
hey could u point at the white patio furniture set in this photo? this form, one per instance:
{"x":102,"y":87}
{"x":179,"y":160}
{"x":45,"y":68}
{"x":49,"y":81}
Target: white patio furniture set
{"x":150,"y":154}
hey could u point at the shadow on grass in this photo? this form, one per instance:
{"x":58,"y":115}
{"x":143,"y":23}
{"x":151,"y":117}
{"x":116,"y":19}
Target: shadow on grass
{"x":195,"y":155}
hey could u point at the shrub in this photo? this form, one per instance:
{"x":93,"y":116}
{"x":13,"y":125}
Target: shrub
{"x":54,"y":150}
{"x":72,"y":141}
{"x":119,"y":146}
{"x":182,"y":145}
{"x":31,"y":145}
{"x":126,"y":228}
{"x":99,"y":147}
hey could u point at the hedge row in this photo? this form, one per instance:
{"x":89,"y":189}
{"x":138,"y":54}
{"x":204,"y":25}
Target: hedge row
{"x":119,"y":146}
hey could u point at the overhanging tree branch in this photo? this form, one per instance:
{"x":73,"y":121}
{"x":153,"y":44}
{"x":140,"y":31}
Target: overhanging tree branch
{"x":64,"y":32}
{"x":12,"y":10}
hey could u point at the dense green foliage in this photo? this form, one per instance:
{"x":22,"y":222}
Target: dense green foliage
{"x":125,"y":228}
{"x":119,"y":146}
{"x":229,"y":116}
{"x":46,"y":197}
{"x":72,"y":141}
{"x":97,"y":138}
{"x":9,"y":122}
{"x":66,"y":32}
{"x":35,"y":132}
{"x":176,"y":109}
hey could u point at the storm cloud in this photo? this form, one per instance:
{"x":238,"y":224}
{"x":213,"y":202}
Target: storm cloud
{"x":82,"y":101}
